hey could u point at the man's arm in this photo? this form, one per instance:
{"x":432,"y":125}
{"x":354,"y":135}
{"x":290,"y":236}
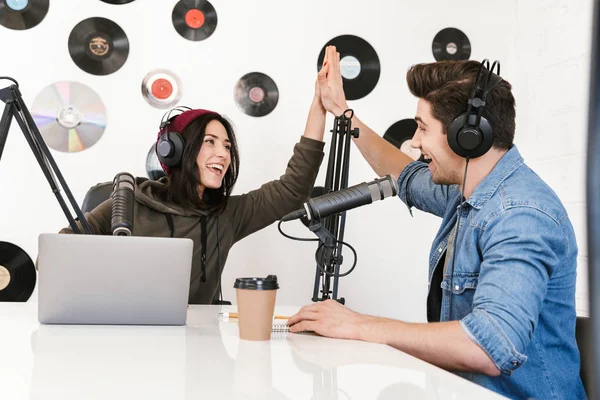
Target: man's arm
{"x":381,"y":155}
{"x":444,"y":344}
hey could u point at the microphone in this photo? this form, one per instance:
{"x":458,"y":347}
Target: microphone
{"x":346,"y":199}
{"x":122,"y":204}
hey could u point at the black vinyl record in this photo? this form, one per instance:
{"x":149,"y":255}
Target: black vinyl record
{"x":359,"y":65}
{"x":17,"y":273}
{"x":98,"y":46}
{"x":21,"y":15}
{"x":451,"y":44}
{"x":194,"y":19}
{"x":256,"y":94}
{"x":400,"y":134}
{"x":154,"y":170}
{"x":117,"y":1}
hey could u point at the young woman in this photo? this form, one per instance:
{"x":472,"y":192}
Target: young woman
{"x":194,"y":200}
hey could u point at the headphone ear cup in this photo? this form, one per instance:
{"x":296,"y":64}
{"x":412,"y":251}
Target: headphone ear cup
{"x":470,"y":141}
{"x":170,"y":149}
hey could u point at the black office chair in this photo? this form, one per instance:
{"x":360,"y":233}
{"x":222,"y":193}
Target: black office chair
{"x":583,"y":336}
{"x":96,"y":195}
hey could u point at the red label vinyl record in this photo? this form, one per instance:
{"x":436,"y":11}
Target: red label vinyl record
{"x":195,"y":20}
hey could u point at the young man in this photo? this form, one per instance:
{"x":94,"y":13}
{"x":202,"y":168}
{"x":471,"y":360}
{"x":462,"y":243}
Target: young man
{"x":501,"y":307}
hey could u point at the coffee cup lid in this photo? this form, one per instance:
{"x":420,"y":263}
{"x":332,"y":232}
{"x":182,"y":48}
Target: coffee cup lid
{"x":268,"y":283}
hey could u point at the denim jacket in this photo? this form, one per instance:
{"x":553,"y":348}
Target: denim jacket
{"x":513,"y":284}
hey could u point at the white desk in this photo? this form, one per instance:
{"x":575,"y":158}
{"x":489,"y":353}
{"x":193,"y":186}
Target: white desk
{"x":205,"y":359}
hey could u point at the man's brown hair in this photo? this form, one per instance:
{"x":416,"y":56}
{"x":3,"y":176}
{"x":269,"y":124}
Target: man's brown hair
{"x":447,"y":85}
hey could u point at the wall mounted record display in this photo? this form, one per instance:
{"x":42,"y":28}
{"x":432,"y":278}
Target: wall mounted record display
{"x":400,"y":134}
{"x":161,"y":88}
{"x":256,"y":94}
{"x":154,"y":170}
{"x":359,"y":65}
{"x":22,"y":14}
{"x":98,"y":46}
{"x":119,"y":2}
{"x":17,"y":274}
{"x":194,"y":19}
{"x":70,"y":116}
{"x":451,"y":44}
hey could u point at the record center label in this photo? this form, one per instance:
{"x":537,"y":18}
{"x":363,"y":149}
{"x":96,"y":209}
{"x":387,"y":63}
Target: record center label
{"x":349,"y":67}
{"x":99,"y":46}
{"x":4,"y":277}
{"x":194,"y":18}
{"x":17,"y":5}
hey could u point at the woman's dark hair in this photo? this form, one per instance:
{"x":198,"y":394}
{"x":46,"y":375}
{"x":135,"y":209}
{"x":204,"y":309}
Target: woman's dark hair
{"x":447,"y":86}
{"x":182,"y":183}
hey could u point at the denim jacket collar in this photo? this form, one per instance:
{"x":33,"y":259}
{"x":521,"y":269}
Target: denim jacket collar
{"x":510,"y":161}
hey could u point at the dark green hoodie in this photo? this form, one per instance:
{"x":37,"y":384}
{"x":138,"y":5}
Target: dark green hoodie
{"x":244,"y":214}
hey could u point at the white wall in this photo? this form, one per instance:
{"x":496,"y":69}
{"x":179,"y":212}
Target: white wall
{"x":283,"y":40}
{"x":552,"y":49}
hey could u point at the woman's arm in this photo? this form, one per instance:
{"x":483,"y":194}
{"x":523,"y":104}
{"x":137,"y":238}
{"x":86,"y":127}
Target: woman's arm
{"x":259,"y":208}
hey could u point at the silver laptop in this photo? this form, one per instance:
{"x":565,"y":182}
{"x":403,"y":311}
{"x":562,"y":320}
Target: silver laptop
{"x":113,"y":280}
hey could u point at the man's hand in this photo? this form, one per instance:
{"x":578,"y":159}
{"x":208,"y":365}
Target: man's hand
{"x":328,"y":318}
{"x":331,"y":83}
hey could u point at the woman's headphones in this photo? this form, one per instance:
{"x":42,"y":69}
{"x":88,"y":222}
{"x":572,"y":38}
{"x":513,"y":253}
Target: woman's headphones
{"x":470,"y":134}
{"x":169,"y":148}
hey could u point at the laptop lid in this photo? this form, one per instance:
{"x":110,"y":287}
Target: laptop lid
{"x":95,"y":279}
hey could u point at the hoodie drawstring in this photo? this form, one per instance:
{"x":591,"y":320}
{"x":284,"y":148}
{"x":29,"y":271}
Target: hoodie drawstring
{"x":202,"y":238}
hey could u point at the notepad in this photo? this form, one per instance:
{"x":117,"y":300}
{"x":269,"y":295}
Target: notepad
{"x":280,"y":328}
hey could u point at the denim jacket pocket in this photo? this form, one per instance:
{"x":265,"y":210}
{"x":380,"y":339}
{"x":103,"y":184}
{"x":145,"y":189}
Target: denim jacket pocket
{"x":460,"y":283}
{"x":463,"y":291}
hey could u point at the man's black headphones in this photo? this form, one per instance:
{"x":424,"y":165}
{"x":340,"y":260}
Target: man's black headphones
{"x":169,"y":148}
{"x":470,"y":134}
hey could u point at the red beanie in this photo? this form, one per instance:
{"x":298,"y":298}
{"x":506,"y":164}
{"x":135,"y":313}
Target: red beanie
{"x":178,"y":124}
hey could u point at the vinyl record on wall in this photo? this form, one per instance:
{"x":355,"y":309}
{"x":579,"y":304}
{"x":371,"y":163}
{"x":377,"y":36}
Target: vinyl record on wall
{"x":256,"y":94}
{"x":98,"y":46}
{"x":70,"y":116}
{"x":154,"y":170}
{"x":359,"y":65}
{"x":17,"y":274}
{"x":194,"y":19}
{"x":22,"y":14}
{"x":117,"y":1}
{"x":451,"y":44}
{"x":400,"y":134}
{"x":161,"y":88}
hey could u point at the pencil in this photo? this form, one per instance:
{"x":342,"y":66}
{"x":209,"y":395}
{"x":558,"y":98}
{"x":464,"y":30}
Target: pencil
{"x":235,"y":315}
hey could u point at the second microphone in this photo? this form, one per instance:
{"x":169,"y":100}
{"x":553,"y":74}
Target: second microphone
{"x":123,"y":196}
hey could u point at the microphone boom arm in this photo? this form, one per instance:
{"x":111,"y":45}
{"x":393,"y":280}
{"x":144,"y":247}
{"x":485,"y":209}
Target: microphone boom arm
{"x":332,"y":231}
{"x":15,"y":107}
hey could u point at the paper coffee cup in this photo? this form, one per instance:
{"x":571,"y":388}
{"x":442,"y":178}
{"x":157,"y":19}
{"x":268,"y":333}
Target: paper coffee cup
{"x":256,"y":306}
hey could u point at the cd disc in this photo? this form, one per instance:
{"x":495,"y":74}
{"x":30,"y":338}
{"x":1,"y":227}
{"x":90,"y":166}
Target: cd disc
{"x":256,"y":94}
{"x":70,"y":116}
{"x":117,"y":1}
{"x":161,"y":88}
{"x":359,"y":65}
{"x":98,"y":46}
{"x":17,"y":273}
{"x":22,"y":14}
{"x":400,"y":134}
{"x":451,"y":44}
{"x":154,"y":170}
{"x":194,"y":19}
